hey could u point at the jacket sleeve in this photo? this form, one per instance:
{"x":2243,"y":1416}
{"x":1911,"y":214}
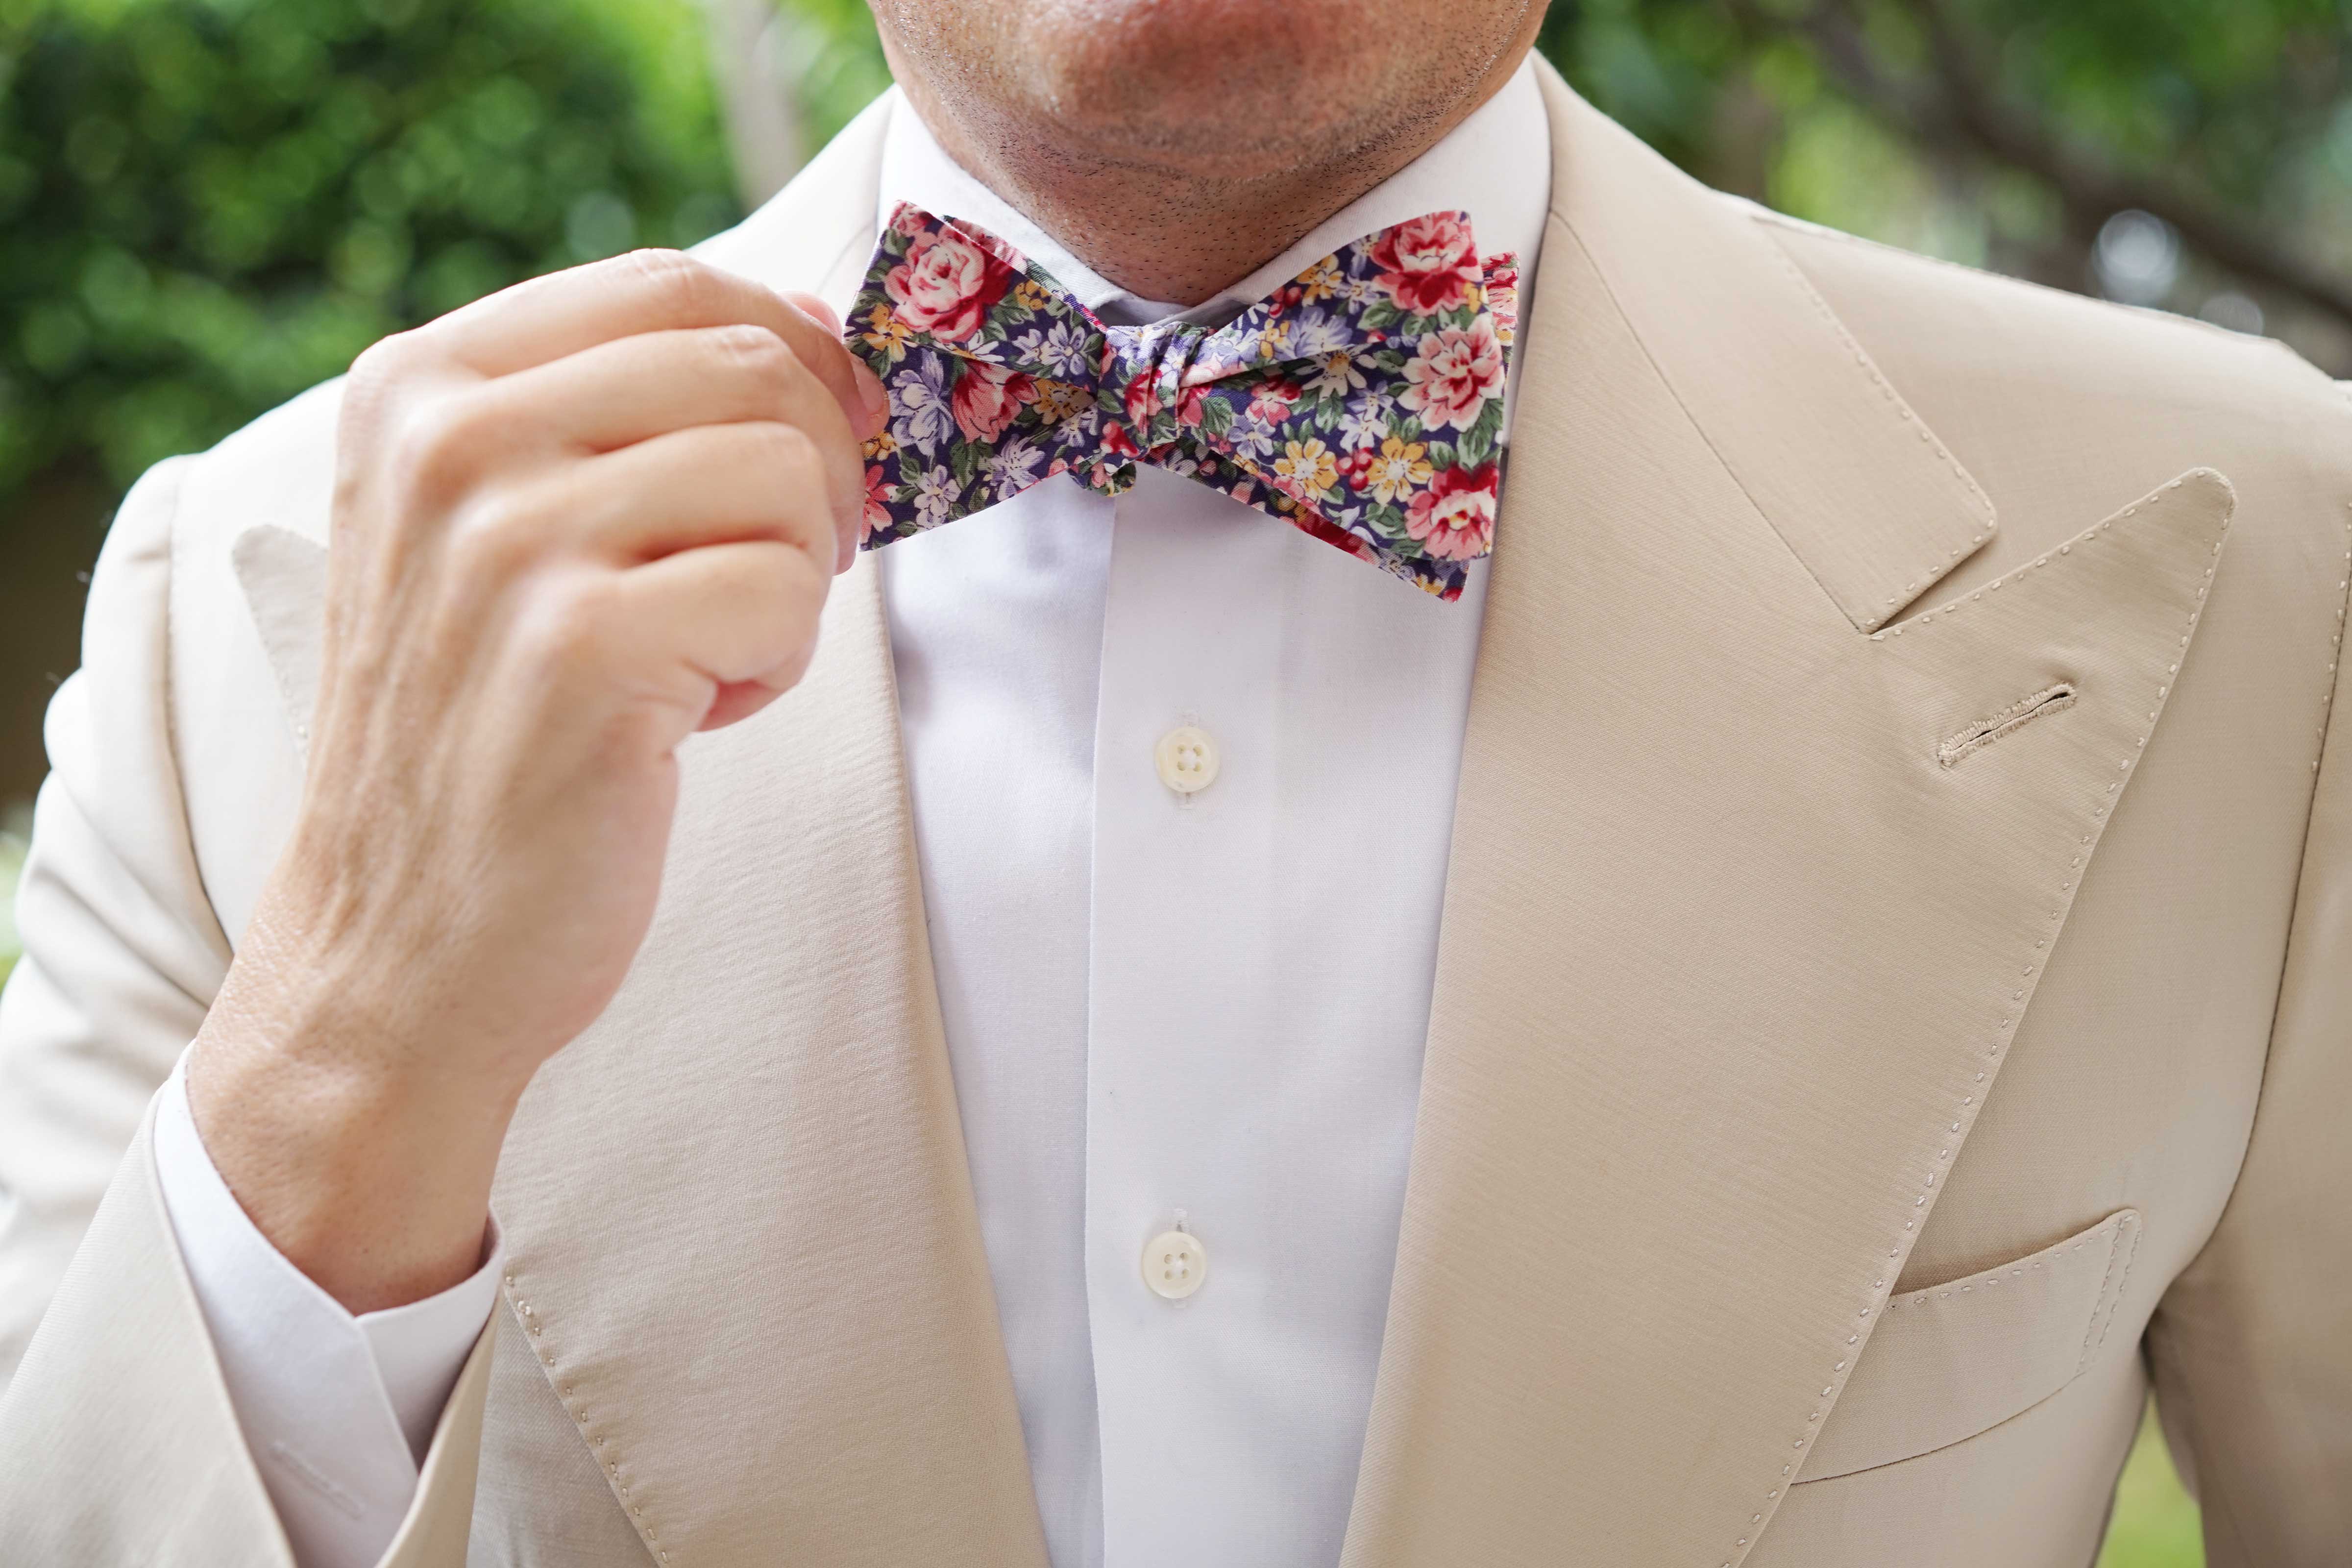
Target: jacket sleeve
{"x":2251,"y":1346}
{"x":337,"y":1410}
{"x":118,"y":1443}
{"x":122,"y":954}
{"x":117,"y":1440}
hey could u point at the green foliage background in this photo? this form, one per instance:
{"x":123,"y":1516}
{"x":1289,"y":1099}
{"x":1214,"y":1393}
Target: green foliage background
{"x":207,"y":208}
{"x":207,"y":205}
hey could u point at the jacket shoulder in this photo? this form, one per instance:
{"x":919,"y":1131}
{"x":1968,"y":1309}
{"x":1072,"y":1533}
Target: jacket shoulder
{"x":2066,"y":407}
{"x":1960,"y":332}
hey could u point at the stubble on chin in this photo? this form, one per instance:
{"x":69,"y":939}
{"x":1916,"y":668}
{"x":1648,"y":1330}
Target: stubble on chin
{"x":1176,"y":144}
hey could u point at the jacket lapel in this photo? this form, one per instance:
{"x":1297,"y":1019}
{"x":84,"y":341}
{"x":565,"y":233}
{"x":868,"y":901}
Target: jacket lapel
{"x":1738,"y":924}
{"x":739,"y":1223}
{"x":740,"y":1227}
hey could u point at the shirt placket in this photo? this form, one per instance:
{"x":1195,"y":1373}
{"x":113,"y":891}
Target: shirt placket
{"x":1183,"y":972}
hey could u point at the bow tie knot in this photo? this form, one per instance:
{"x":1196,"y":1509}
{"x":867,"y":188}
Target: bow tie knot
{"x":1147,"y":365}
{"x":1361,"y":402}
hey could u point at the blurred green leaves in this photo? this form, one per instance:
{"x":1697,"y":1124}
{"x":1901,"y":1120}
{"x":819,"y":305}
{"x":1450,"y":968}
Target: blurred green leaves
{"x":2156,"y":1522}
{"x":2009,"y":133}
{"x":207,"y":205}
{"x":841,"y":69}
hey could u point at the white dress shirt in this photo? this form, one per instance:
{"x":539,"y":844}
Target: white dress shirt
{"x":1164,"y":1010}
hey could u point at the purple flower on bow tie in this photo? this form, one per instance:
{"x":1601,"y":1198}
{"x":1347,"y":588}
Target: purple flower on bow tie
{"x":1361,"y":402}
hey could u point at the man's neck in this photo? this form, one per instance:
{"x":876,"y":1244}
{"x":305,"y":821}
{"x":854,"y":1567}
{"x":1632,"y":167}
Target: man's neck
{"x":1161,"y":231}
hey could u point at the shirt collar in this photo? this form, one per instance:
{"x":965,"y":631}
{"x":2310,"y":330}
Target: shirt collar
{"x":1496,"y":165}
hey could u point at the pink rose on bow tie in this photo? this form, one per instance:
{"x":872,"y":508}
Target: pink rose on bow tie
{"x":1452,"y":375}
{"x":1428,"y":263}
{"x":1142,"y":400}
{"x":1272,"y":401}
{"x":946,"y":285}
{"x":986,"y":398}
{"x":881,"y":489}
{"x":1503,"y":295}
{"x":1455,"y":517}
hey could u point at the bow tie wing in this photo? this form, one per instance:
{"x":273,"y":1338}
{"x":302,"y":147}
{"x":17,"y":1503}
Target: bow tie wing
{"x":992,"y":368}
{"x":1363,"y":401}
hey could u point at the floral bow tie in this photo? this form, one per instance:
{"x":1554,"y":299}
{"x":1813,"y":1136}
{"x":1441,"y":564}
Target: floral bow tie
{"x":1360,"y":403}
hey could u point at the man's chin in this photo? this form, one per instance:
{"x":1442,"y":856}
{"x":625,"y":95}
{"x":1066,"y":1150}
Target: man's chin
{"x":1229,"y":87}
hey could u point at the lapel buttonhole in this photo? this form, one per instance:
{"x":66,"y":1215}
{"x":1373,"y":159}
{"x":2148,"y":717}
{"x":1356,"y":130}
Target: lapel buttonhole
{"x":2008,"y":721}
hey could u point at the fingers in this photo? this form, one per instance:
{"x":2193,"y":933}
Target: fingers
{"x":868,"y":405}
{"x":554,"y":317}
{"x":651,"y":383}
{"x":707,"y":485}
{"x":667,"y":440}
{"x":742,"y":616}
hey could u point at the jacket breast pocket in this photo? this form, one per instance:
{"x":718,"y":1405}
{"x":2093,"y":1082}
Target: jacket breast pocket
{"x":1953,"y":1360}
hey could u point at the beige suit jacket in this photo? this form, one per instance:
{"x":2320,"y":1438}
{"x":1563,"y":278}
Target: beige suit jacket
{"x":1895,"y":999}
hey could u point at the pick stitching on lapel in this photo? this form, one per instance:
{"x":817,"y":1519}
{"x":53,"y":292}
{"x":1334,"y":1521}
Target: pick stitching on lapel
{"x":1855,"y":483}
{"x":1729,"y":958}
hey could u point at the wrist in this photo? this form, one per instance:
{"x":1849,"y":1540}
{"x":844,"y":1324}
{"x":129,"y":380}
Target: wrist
{"x":369,"y":1174}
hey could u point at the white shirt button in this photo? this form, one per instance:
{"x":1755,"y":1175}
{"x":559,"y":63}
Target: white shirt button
{"x":1188,"y":760}
{"x":1174,"y":1265}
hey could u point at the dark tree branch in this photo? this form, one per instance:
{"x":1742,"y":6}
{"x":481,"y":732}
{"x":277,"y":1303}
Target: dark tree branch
{"x":2008,"y":131}
{"x":1963,"y":102}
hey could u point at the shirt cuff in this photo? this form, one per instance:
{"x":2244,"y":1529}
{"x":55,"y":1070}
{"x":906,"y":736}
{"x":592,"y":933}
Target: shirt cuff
{"x":337,"y":1410}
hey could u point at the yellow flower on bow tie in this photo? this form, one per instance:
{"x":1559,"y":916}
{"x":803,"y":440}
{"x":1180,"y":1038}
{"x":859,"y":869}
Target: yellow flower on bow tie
{"x":1060,"y":400}
{"x":1307,"y":469}
{"x":1400,"y":469}
{"x":1320,"y":282}
{"x":887,"y":335}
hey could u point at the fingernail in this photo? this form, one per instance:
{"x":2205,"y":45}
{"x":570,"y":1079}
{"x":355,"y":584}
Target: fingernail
{"x":821,"y":312}
{"x":870,"y":391}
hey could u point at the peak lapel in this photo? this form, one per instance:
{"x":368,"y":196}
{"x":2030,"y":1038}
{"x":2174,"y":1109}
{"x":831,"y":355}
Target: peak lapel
{"x":1730,"y":954}
{"x":1856,"y":484}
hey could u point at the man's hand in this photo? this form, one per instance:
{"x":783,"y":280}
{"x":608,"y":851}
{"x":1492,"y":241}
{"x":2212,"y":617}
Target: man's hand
{"x":573,"y":523}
